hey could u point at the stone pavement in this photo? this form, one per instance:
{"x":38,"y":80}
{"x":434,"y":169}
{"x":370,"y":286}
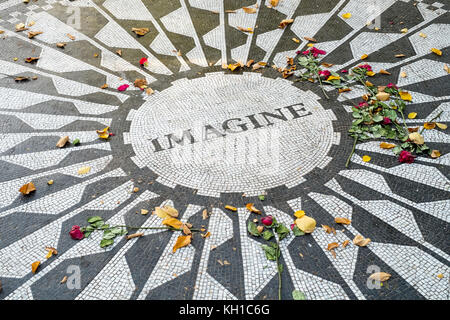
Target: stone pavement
{"x":246,"y":133}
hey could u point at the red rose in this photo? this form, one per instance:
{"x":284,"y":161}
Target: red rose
{"x":267,"y":221}
{"x":76,"y":233}
{"x":386,"y":120}
{"x":406,"y":157}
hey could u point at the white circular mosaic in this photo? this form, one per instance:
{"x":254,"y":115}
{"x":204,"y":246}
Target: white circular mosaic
{"x":232,"y":133}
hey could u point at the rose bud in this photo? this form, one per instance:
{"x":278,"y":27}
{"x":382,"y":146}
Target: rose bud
{"x":292,"y":226}
{"x":267,"y":221}
{"x":76,"y":233}
{"x":260,"y":229}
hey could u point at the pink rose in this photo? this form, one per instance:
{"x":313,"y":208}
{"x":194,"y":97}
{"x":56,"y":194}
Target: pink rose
{"x":123,"y":87}
{"x":344,"y":71}
{"x":325,"y":73}
{"x":406,"y":157}
{"x":292,"y":226}
{"x":143,"y":62}
{"x":391,"y":85}
{"x":386,"y":120}
{"x":76,"y":233}
{"x":267,"y":221}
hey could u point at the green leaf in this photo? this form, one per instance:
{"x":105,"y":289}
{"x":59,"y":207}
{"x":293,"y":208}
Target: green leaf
{"x":87,"y":234}
{"x":267,"y":235}
{"x":109,"y":235}
{"x":297,"y":232}
{"x":282,"y":231}
{"x":116,"y":230}
{"x":90,"y":228}
{"x":378,"y":118}
{"x":253,"y":229}
{"x":261,"y":197}
{"x":105,"y":226}
{"x":271,"y":252}
{"x":98,"y":224}
{"x":106,"y":242}
{"x":298,"y":295}
{"x":94,"y":219}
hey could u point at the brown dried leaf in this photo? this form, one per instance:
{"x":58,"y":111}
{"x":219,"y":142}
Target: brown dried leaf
{"x":140,"y":83}
{"x":285,"y":22}
{"x":446,"y":68}
{"x":62,"y":142}
{"x":413,"y":129}
{"x":382,"y":71}
{"x":182,"y":241}
{"x":249,"y":10}
{"x":20,"y":27}
{"x":435,"y":154}
{"x":400,"y":55}
{"x":205,"y":214}
{"x":327,"y":65}
{"x":342,"y":220}
{"x":310,"y":39}
{"x":206,"y":235}
{"x":326,"y":228}
{"x":429,"y":125}
{"x":71,"y":37}
{"x":273,"y":3}
{"x":119,"y":52}
{"x":61,"y":44}
{"x":345,"y":243}
{"x":149,"y":91}
{"x":290,"y":61}
{"x":64,"y":280}
{"x":249,"y":63}
{"x":140,"y":31}
{"x":332,"y":245}
{"x":104,"y":86}
{"x":20,"y":79}
{"x":383,"y":96}
{"x":27,"y":188}
{"x":249,"y":30}
{"x":359,"y":240}
{"x":380,"y":276}
{"x":32,"y":34}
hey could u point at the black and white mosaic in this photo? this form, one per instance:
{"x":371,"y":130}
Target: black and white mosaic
{"x":209,"y":137}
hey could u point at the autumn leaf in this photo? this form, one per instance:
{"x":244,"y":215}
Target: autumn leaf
{"x":51,"y":251}
{"x":380,"y":276}
{"x":405,"y":95}
{"x":61,"y":45}
{"x":285,"y":22}
{"x":423,"y":35}
{"x":205,"y":214}
{"x":206,"y":235}
{"x":429,"y":125}
{"x":347,"y":15}
{"x":186,"y":230}
{"x":435,"y":154}
{"x":403,"y":74}
{"x":62,"y":142}
{"x":32,"y":34}
{"x":295,"y":40}
{"x":442,"y":126}
{"x":364,"y":56}
{"x":345,"y":243}
{"x":333,"y":78}
{"x":249,"y":30}
{"x":140,"y":83}
{"x":342,"y":220}
{"x":182,"y":241}
{"x":332,"y":246}
{"x":34,"y":266}
{"x":412,"y":115}
{"x":172,"y":222}
{"x":446,"y":68}
{"x":310,"y":39}
{"x":84,"y":170}
{"x":404,"y":30}
{"x":385,"y":145}
{"x":249,"y":10}
{"x":299,"y":213}
{"x":436,"y":51}
{"x":231,"y":208}
{"x":382,"y":96}
{"x":382,"y":71}
{"x":149,"y":91}
{"x":250,"y":207}
{"x":144,"y":212}
{"x":27,"y":188}
{"x":134,"y":235}
{"x":366,"y":158}
{"x":234,"y":66}
{"x":140,"y":31}
{"x":103,"y":134}
{"x":273,"y":3}
{"x":326,"y":228}
{"x":413,"y":129}
{"x":359,"y":240}
{"x":166,"y":212}
{"x":249,"y":63}
{"x":71,"y":37}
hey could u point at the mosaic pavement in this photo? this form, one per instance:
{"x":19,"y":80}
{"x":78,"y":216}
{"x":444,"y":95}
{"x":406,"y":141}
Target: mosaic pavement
{"x":192,"y":145}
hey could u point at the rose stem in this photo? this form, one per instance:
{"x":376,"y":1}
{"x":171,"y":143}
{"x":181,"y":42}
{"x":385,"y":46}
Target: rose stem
{"x":353,"y":151}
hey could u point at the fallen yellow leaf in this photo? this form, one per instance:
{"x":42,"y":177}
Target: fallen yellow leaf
{"x":442,"y":126}
{"x":435,"y":154}
{"x":285,"y":22}
{"x":436,"y":51}
{"x":405,"y":95}
{"x":249,"y":10}
{"x":333,"y":78}
{"x":380,"y":276}
{"x":84,"y":170}
{"x":359,"y":240}
{"x":366,"y":158}
{"x":299,"y":213}
{"x":342,"y":220}
{"x":250,"y":207}
{"x":230,"y":208}
{"x":412,"y":115}
{"x":34,"y":266}
{"x":385,"y":145}
{"x":429,"y":125}
{"x":27,"y":188}
{"x":182,"y":241}
{"x":347,"y":15}
{"x":332,"y":245}
{"x":172,"y":222}
{"x":364,"y":56}
{"x":416,"y":138}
